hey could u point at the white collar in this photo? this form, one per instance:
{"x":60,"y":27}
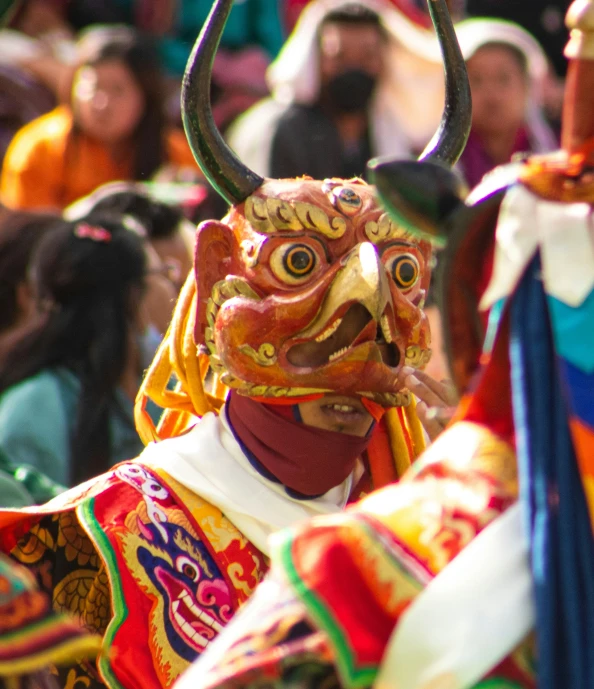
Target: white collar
{"x":210,"y":462}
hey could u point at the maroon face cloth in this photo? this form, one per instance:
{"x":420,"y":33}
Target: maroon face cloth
{"x":307,"y":460}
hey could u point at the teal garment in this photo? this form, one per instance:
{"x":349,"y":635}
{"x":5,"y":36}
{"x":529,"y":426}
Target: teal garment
{"x":12,"y":492}
{"x":37,"y":418}
{"x":251,"y":22}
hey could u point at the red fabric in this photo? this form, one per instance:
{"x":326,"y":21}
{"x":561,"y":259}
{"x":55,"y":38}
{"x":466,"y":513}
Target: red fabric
{"x":376,"y":410}
{"x":490,"y":403}
{"x":379,"y":454}
{"x":308,"y":460}
{"x":327,"y":560}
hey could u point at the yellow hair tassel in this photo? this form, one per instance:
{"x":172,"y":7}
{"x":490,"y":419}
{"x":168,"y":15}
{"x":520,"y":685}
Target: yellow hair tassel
{"x":415,"y":429}
{"x":177,"y":358}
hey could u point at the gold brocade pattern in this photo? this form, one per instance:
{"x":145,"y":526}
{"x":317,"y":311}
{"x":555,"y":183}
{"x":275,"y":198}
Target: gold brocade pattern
{"x":50,"y":550}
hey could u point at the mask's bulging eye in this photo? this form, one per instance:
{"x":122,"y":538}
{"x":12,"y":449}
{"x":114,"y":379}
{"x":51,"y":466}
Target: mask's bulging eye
{"x":299,"y":261}
{"x":293,"y":263}
{"x":404,"y":270}
{"x":347,"y":201}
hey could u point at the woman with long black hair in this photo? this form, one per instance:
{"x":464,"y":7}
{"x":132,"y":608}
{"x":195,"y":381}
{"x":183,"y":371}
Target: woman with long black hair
{"x":68,"y":384}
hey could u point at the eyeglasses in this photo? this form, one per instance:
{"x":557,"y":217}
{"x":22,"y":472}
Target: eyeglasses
{"x":170,"y":269}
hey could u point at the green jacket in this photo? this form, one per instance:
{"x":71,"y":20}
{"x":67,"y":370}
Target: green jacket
{"x":37,"y":419}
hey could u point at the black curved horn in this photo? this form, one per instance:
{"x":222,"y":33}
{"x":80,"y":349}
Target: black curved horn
{"x":228,"y":175}
{"x":450,"y":139}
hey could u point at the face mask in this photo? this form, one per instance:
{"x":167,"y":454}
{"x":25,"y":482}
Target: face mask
{"x":350,"y":91}
{"x":148,"y":343}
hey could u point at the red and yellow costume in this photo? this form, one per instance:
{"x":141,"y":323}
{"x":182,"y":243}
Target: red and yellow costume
{"x":477,"y":569}
{"x":158,"y":554}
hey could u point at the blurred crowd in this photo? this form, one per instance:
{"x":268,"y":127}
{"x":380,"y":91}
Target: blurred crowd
{"x":100,"y":194}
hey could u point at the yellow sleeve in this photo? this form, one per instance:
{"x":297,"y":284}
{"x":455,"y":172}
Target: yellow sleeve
{"x":33,"y":168}
{"x":178,"y":150}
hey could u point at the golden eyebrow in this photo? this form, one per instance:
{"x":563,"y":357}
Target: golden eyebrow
{"x":268,"y":215}
{"x":385,"y":228}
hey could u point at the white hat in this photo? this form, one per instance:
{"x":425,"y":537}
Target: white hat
{"x":476,"y":33}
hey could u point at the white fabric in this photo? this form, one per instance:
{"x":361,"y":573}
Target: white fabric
{"x":475,"y":33}
{"x":16,"y":47}
{"x":469,"y":618}
{"x":567,"y":251}
{"x":564,"y":232}
{"x":294,"y":76}
{"x":407,"y":105}
{"x":250,"y":136}
{"x":516,"y":242}
{"x":244,"y":623}
{"x":209,"y":461}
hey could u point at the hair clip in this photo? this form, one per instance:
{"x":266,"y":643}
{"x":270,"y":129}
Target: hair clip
{"x":97,"y":234}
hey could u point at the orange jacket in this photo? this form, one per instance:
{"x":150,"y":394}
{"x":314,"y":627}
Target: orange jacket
{"x":39,"y":172}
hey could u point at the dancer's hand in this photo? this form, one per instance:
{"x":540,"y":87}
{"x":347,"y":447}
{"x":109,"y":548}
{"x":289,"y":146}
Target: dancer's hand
{"x":437,"y":400}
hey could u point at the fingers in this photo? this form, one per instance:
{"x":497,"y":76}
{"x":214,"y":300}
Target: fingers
{"x":434,"y":419}
{"x":429,"y":390}
{"x":436,"y":400}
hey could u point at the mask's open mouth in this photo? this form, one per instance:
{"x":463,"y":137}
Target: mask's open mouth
{"x":342,"y":334}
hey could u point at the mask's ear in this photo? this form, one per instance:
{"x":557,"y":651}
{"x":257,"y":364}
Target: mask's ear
{"x":215,"y":250}
{"x":419,"y":196}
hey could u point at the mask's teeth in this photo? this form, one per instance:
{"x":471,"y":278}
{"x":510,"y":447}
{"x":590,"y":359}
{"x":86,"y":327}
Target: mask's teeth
{"x":340,"y":352}
{"x":330,"y":330}
{"x":385,"y":326}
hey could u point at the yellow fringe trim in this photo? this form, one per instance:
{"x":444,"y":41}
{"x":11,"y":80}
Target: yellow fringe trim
{"x":397,"y":432}
{"x":177,"y":358}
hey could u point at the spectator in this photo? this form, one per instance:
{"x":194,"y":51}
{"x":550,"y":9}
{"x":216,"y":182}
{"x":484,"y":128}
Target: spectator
{"x":506,"y":67}
{"x":415,"y":10}
{"x":112,"y":129}
{"x":19,"y":235}
{"x":169,"y":233}
{"x":175,"y":25}
{"x":40,"y":18}
{"x":544,"y":19}
{"x":169,"y":241}
{"x":353,"y":80}
{"x":67,"y":386}
{"x":253,"y":35}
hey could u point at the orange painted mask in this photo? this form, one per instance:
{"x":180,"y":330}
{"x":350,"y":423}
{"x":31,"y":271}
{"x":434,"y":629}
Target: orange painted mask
{"x":309,"y":287}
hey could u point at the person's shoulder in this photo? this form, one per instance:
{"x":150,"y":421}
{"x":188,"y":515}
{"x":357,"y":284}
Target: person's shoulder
{"x":260,"y":117}
{"x":298,"y":114}
{"x":54,"y":123}
{"x":41,"y":394}
{"x":44,"y":382}
{"x":302,"y":123}
{"x":44,"y":132}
